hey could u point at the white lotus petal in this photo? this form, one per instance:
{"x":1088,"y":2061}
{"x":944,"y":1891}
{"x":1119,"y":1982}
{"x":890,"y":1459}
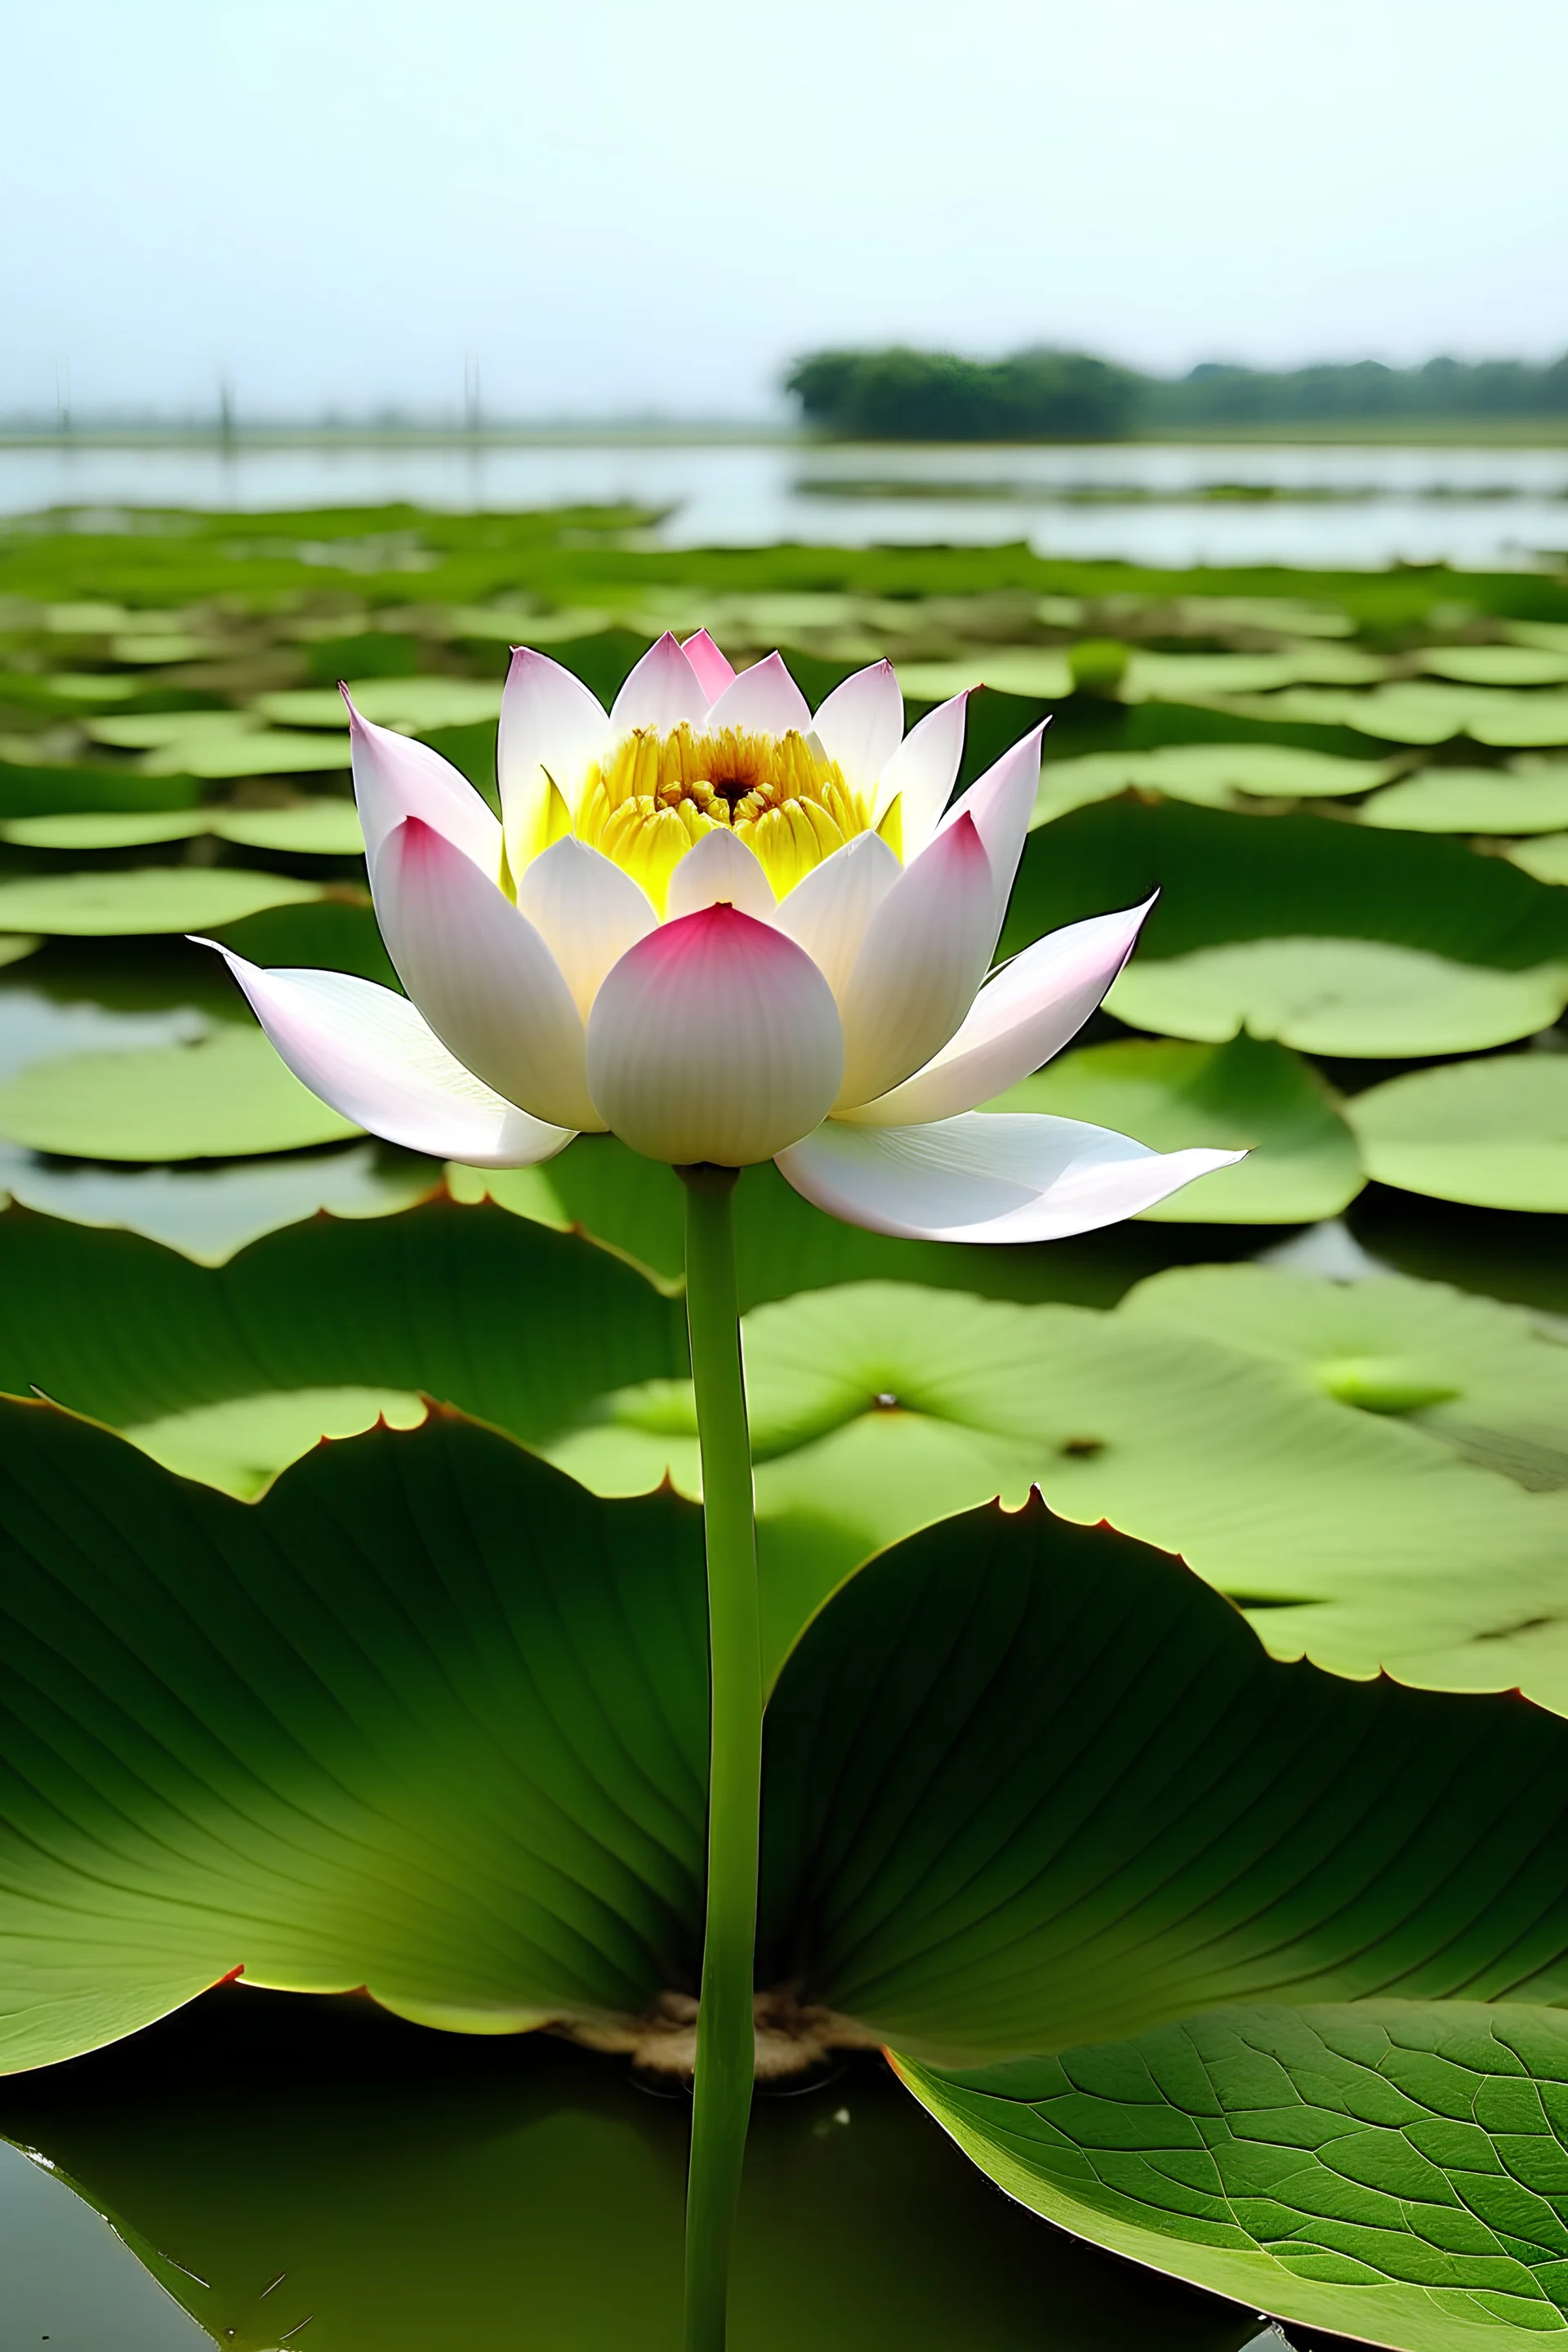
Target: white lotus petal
{"x":395,"y":777}
{"x":714,"y":1039}
{"x":720,"y":871}
{"x":828,"y":912}
{"x":482,"y":976}
{"x":861,"y":725}
{"x":714,"y":670}
{"x":987,"y":1177}
{"x":763,"y":699}
{"x":921,"y":773}
{"x":1001,"y":802}
{"x":366,"y":1050}
{"x":924,"y":957}
{"x":552,"y":727}
{"x":586,"y":910}
{"x":1018,"y":1021}
{"x":661,"y":690}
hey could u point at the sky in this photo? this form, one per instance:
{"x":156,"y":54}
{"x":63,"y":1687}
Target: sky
{"x":611,"y":209}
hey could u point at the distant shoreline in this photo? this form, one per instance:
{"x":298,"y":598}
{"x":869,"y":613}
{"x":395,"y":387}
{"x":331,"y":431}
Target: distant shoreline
{"x":1510,"y":432}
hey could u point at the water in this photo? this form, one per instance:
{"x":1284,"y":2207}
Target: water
{"x":1355,"y":507}
{"x":280,"y":2171}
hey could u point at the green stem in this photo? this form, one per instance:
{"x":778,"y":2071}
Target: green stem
{"x":721,"y":2094}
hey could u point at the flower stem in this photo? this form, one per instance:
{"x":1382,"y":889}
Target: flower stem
{"x":721,"y":2102}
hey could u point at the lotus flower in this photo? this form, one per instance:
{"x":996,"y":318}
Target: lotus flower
{"x":726,"y":930}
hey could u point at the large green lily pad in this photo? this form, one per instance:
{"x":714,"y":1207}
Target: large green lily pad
{"x":1417,"y":712}
{"x":1489,"y":1378}
{"x":265,"y":751}
{"x":1473,"y":800}
{"x":429,"y":1720}
{"x":1392,"y":2170}
{"x":1349,"y":997}
{"x":144,"y":899}
{"x":1493,"y":1132}
{"x":325,"y":827}
{"x":224,"y":1096}
{"x":410,"y":704}
{"x":1546,"y":860}
{"x":1497,"y":665}
{"x":1301,"y":1162}
{"x":1214,"y":775}
{"x":1225,"y":876}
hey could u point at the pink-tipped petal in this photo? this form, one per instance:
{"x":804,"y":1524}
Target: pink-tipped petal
{"x":551,"y":731}
{"x":1020,"y":1018}
{"x":861,"y":725}
{"x":720,"y":871}
{"x":1001,"y":802}
{"x":587,"y":910}
{"x":366,"y":1050}
{"x":660,"y":691}
{"x":987,"y":1177}
{"x":921,"y":773}
{"x":714,"y":670}
{"x":924,"y":957}
{"x":714,"y":1039}
{"x":828,"y":912}
{"x":395,"y":777}
{"x":764,"y":699}
{"x":482,"y":976}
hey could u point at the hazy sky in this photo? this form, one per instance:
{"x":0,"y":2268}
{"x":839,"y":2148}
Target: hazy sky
{"x":612,"y":207}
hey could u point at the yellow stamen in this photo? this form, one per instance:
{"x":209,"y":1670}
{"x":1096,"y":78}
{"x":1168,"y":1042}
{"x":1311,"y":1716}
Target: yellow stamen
{"x":659,"y":793}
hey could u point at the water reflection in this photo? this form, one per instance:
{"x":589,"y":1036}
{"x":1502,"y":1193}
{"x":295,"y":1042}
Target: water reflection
{"x":313,"y":2173}
{"x":1145,"y":502}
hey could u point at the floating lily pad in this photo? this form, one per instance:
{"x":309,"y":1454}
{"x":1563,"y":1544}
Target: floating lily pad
{"x":238,"y":1445}
{"x":15,"y":945}
{"x":1351,"y":997}
{"x":322,"y":827}
{"x":1473,"y":800}
{"x":1334,"y":2166}
{"x":1545,"y":860}
{"x":1486,"y":1378}
{"x":410,"y":704}
{"x":1497,"y":665}
{"x":1213,"y":774}
{"x":1301,"y":1164}
{"x":1417,"y":712}
{"x":1494,"y":1133}
{"x":144,"y":899}
{"x":1036,"y":673}
{"x":494,"y":623}
{"x":261,"y":751}
{"x":160,"y":646}
{"x":1181,"y":678}
{"x":223,"y":1097}
{"x":154,"y":731}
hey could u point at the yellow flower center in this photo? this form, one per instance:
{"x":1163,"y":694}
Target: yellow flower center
{"x":659,"y":793}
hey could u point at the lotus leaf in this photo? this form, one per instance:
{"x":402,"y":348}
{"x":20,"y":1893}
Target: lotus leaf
{"x":877,"y":1408}
{"x":1301,"y":1164}
{"x":1487,"y":1379}
{"x":1497,"y":665}
{"x":1492,"y":1132}
{"x":1038,"y":674}
{"x":464,"y":1766}
{"x":1224,"y":877}
{"x":208,"y":1212}
{"x":1473,"y":800}
{"x":1211,"y":774}
{"x":1348,"y":997}
{"x":1545,"y":860}
{"x":223,"y":1096}
{"x":261,"y":751}
{"x":327,"y":827}
{"x":160,"y":730}
{"x":410,"y":704}
{"x":15,"y":945}
{"x":1417,"y":712}
{"x":145,"y":899}
{"x":1392,"y":2170}
{"x":1180,"y":678}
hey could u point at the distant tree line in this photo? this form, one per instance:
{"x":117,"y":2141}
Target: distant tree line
{"x":900,"y":394}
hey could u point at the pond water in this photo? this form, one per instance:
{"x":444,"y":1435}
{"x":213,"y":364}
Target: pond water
{"x":309,"y":2172}
{"x":1342,"y":507}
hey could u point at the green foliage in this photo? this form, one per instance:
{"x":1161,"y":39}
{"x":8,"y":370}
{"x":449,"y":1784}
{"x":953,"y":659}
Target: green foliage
{"x":1492,"y":1132}
{"x":906,"y":396}
{"x":1393,"y":2170}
